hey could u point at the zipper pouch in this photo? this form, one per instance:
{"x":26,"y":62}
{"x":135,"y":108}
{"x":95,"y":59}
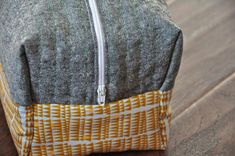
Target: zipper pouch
{"x":89,"y":76}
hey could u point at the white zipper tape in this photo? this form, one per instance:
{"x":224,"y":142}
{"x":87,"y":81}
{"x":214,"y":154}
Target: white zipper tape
{"x":100,"y":41}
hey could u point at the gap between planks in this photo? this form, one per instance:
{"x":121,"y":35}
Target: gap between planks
{"x":224,"y":81}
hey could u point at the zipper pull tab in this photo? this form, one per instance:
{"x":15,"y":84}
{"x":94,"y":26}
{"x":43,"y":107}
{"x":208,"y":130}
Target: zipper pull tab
{"x":101,"y":95}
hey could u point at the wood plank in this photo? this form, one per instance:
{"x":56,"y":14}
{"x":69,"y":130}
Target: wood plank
{"x":207,"y":127}
{"x":200,"y":22}
{"x":202,"y":77}
{"x":184,"y":10}
{"x":207,"y":61}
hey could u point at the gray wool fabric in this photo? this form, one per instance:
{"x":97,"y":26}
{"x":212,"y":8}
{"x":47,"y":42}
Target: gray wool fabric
{"x":48,"y":49}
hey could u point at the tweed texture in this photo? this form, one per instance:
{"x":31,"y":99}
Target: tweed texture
{"x":136,"y":123}
{"x":49,"y":51}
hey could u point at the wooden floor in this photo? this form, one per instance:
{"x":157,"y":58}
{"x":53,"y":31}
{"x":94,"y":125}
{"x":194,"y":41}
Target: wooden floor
{"x":204,"y":95}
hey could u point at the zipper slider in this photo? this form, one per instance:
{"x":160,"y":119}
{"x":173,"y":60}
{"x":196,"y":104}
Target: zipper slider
{"x":101,"y":95}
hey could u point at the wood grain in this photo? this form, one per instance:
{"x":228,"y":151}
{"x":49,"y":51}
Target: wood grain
{"x":208,"y":58}
{"x":207,"y":127}
{"x":204,"y":97}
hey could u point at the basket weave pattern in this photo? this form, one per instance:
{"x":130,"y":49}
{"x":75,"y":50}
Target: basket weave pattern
{"x":137,"y":123}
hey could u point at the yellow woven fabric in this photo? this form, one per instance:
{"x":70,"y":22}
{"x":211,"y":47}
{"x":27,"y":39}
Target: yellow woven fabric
{"x":137,"y":123}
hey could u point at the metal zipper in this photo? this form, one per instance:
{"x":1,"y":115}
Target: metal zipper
{"x":101,"y":90}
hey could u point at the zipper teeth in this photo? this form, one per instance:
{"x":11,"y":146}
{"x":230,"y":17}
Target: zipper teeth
{"x":100,"y":42}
